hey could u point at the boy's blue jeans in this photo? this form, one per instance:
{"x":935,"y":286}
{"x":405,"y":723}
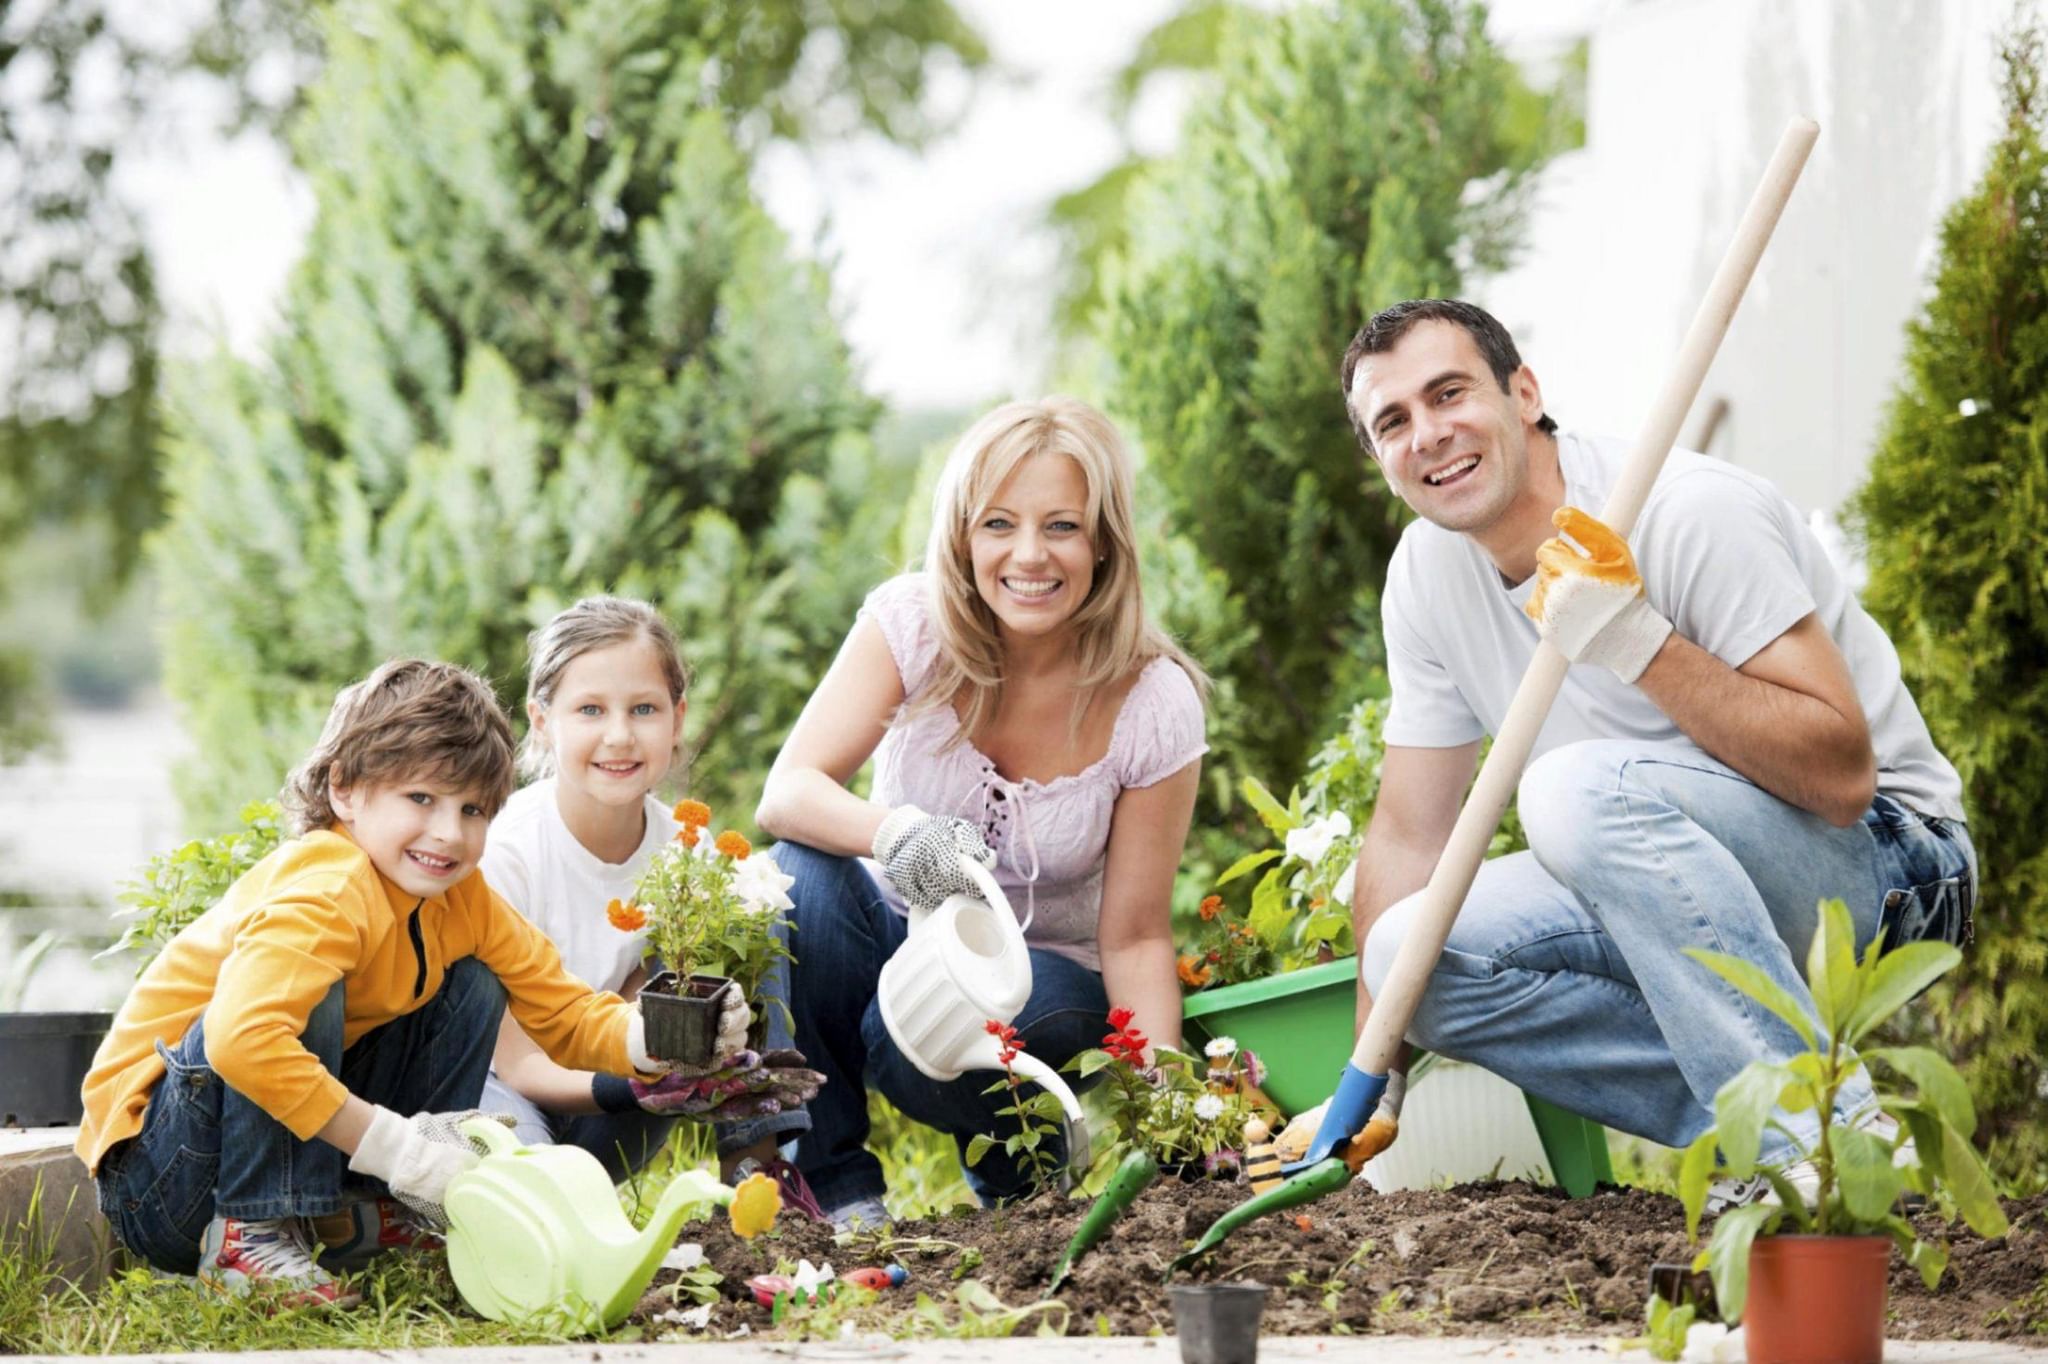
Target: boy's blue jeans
{"x":844,"y":932}
{"x":206,"y":1151}
{"x":1566,"y":974}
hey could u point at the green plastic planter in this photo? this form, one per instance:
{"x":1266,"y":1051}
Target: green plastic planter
{"x":1300,"y":1024}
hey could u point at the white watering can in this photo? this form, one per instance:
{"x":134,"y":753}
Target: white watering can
{"x":964,"y":964}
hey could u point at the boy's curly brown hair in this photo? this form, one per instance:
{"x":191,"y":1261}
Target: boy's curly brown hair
{"x":409,"y":721}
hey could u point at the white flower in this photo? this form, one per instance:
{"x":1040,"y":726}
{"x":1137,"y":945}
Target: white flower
{"x":686,"y":1255}
{"x":1208,"y":1108}
{"x":1341,"y":892}
{"x":1313,"y":839}
{"x":761,"y":885}
{"x":1710,"y":1342}
{"x":809,"y":1277}
{"x":1220,"y":1048}
{"x":1968,"y":407}
{"x":697,"y":1318}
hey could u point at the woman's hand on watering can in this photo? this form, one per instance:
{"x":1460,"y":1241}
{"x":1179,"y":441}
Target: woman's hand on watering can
{"x":416,"y":1157}
{"x":751,"y":1084}
{"x":921,"y":854}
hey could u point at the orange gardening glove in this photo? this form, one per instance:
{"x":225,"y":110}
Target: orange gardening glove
{"x":1589,"y":600}
{"x":1378,"y":1135}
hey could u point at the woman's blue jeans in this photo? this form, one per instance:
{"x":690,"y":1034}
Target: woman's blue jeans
{"x":1566,"y":972}
{"x":207,"y":1151}
{"x":845,"y":930}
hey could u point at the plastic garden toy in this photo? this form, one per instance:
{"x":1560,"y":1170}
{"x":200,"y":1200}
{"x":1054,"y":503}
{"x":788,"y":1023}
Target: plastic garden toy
{"x":537,"y":1230}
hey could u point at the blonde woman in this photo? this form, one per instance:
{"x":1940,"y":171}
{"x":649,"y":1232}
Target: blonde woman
{"x":1021,"y":708}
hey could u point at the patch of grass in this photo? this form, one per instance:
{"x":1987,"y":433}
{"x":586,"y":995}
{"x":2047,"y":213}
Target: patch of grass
{"x":1640,"y":1164}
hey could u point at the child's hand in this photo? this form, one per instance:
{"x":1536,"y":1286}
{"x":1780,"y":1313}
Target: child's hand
{"x":416,"y":1157}
{"x":733,"y":1018}
{"x":750,"y":1086}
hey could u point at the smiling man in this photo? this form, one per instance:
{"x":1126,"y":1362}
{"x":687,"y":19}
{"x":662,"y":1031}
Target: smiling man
{"x":1731,"y":745}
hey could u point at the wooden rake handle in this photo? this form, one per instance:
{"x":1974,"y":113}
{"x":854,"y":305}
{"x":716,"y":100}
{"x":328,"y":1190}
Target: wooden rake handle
{"x":1459,"y":862}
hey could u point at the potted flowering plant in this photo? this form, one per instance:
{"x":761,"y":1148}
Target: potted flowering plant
{"x":1827,"y":1238}
{"x":1182,"y":1114}
{"x":710,"y":906}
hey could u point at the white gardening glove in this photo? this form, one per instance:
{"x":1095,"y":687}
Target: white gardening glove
{"x":733,"y":1018}
{"x":417,"y":1156}
{"x":921,"y":853}
{"x":1589,"y":600}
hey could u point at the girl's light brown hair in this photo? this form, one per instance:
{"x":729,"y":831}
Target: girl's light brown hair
{"x":409,"y":721}
{"x":592,"y":623}
{"x":1113,"y":637}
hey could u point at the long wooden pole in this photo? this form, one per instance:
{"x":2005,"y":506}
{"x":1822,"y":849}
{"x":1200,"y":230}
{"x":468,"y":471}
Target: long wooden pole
{"x":1402,"y":991}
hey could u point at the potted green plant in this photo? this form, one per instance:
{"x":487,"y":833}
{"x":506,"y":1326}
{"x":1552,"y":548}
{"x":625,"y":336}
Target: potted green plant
{"x":1828,"y":1239}
{"x":711,"y":907}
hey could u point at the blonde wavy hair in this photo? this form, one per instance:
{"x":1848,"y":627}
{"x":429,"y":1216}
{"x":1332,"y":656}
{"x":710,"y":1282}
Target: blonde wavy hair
{"x":1113,"y":635}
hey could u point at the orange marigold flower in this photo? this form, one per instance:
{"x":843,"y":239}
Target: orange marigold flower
{"x":692,"y":814}
{"x":687,"y":835}
{"x":626,"y":918}
{"x":1211,"y":906}
{"x":1193,"y":974}
{"x":733,"y":845}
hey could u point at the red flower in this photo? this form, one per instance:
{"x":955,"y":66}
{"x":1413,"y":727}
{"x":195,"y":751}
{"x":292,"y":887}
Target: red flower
{"x":1126,"y":1043}
{"x":1007,"y":1036}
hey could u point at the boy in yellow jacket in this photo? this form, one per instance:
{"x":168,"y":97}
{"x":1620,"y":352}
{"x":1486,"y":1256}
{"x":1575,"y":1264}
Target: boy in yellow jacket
{"x":311,"y":1041}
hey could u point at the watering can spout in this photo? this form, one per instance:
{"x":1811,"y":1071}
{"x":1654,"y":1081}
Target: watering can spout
{"x":691,"y":1193}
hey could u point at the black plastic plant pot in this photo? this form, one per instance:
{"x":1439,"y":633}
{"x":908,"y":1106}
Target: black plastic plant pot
{"x":1218,"y":1323}
{"x":682,"y":1017}
{"x":43,"y":1060}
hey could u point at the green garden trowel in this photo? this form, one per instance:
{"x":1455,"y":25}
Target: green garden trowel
{"x":538,"y":1231}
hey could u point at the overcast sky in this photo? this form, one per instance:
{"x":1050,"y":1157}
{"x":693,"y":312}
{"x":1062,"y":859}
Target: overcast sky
{"x":939,"y":265}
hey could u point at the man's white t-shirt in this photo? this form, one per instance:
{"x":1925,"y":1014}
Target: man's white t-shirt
{"x":1723,"y":555}
{"x":562,"y":887}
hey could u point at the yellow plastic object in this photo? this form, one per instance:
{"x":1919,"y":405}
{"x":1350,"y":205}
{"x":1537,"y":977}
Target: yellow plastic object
{"x":537,"y":1230}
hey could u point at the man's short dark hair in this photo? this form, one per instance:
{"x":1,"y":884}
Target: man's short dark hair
{"x":1384,"y":330}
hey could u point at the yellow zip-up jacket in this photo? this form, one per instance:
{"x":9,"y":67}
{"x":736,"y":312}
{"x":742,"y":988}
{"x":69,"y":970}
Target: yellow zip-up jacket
{"x":257,"y":964}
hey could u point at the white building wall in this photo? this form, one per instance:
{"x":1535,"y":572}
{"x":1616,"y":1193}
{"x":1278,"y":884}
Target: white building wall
{"x":1687,"y":100}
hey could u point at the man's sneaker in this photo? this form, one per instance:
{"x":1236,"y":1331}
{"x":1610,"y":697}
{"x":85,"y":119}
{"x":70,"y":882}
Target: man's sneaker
{"x":1724,"y":1194}
{"x":796,"y":1190}
{"x":359,"y":1233}
{"x":862,"y":1214}
{"x":236,"y":1256}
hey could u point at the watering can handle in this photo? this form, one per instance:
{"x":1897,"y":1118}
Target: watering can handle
{"x":991,"y":893}
{"x":494,"y":1136}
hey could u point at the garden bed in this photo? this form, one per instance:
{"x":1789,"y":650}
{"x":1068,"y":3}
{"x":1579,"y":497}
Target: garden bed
{"x":1483,"y":1259}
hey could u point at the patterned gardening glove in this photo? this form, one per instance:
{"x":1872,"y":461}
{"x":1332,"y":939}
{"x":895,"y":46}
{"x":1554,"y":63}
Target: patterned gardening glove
{"x":1589,"y":600}
{"x":417,"y":1156}
{"x":752,"y":1086}
{"x":921,"y":854}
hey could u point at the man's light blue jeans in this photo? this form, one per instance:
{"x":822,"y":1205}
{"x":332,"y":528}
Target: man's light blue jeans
{"x":1565,"y":973}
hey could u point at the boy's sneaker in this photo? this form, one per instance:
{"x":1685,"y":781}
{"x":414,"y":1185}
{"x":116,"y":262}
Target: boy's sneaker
{"x":796,"y":1190}
{"x":863,"y":1214}
{"x":236,"y":1255}
{"x":359,"y":1233}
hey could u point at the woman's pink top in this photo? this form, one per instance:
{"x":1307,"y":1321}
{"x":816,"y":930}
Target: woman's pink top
{"x":1061,"y":826}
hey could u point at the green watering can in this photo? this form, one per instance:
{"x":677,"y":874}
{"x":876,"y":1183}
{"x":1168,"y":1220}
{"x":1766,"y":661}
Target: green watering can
{"x":538,"y":1230}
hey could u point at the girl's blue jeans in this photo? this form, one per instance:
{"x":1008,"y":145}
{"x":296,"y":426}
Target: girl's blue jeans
{"x":844,"y":932}
{"x":207,"y":1151}
{"x":1566,"y":971}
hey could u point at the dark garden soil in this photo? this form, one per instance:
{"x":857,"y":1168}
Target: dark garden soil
{"x":1483,"y":1259}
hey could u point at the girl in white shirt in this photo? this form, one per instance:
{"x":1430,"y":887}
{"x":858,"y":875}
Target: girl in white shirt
{"x":605,"y":702}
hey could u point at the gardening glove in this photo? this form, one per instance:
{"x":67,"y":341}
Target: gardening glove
{"x":1589,"y":600}
{"x":1382,"y":1127}
{"x":752,"y":1086}
{"x":417,"y":1156}
{"x":733,"y":1018}
{"x":921,"y":854}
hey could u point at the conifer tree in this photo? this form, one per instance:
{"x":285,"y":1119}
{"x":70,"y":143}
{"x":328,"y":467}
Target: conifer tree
{"x":543,"y":342}
{"x":1951,"y":518}
{"x":1353,"y":155}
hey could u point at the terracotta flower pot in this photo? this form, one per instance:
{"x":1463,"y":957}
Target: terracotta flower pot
{"x":682,"y":1017}
{"x":1816,"y":1299}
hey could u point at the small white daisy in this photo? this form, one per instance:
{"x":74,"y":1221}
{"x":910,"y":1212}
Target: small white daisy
{"x":1220,"y":1047}
{"x":1208,"y":1108}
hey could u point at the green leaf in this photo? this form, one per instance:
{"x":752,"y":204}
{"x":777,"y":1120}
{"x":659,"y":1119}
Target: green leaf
{"x":1741,"y":1108}
{"x":1248,"y":863}
{"x":977,"y":1147}
{"x":1728,"y":1253}
{"x":1270,"y":916}
{"x":1090,"y":1061}
{"x":1864,"y":1173}
{"x":1929,"y":1257}
{"x":1271,"y":812}
{"x":1750,"y":979}
{"x":1969,"y":1183}
{"x":1898,"y":977}
{"x":1939,"y":1083}
{"x":1695,"y":1173}
{"x":1790,"y":1197}
{"x":1831,"y":967}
